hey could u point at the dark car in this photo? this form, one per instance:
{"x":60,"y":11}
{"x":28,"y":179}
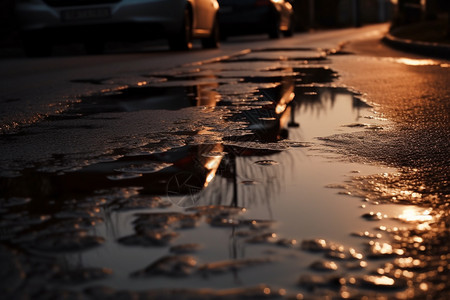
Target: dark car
{"x":45,"y":22}
{"x":273,"y":17}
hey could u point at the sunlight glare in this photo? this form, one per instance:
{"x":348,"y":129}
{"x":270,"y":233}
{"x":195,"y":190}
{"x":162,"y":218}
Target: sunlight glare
{"x":415,"y":215}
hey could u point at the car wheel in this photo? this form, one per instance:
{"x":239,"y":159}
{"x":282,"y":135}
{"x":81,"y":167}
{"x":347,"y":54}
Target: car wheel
{"x":212,"y":41}
{"x":36,"y":46}
{"x":274,"y":30}
{"x":290,"y":31}
{"x":182,"y":40}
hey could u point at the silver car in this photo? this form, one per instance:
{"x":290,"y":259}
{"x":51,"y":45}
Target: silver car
{"x":94,"y":22}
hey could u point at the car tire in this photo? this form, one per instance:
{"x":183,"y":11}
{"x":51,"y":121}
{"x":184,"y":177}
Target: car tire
{"x":290,"y":31}
{"x":182,"y":40}
{"x":36,"y":45}
{"x":212,"y":42}
{"x":274,"y":30}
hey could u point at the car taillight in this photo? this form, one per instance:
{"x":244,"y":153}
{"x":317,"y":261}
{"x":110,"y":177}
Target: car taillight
{"x":262,"y":2}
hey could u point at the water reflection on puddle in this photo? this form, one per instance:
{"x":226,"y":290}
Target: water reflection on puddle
{"x":263,"y":203}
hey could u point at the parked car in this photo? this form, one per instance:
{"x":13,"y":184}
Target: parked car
{"x":256,"y":16}
{"x":94,"y":22}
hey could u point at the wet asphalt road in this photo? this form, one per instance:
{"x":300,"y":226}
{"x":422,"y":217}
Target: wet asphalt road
{"x":80,"y":133}
{"x":33,"y":89}
{"x":30,"y":86}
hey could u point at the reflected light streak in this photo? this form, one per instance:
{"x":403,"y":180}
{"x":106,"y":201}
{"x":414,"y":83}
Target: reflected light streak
{"x":210,"y":177}
{"x":383,"y":248}
{"x":415,"y":62}
{"x":380,"y":280}
{"x":281,"y":107}
{"x":415,"y":215}
{"x":284,"y":101}
{"x":212,"y":165}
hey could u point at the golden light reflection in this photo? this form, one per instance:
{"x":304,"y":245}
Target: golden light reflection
{"x":424,"y":227}
{"x":384,"y":249}
{"x":345,"y":294}
{"x":209,"y":178}
{"x":410,"y":194}
{"x":408,"y":262}
{"x":211,"y":156}
{"x":415,"y":62}
{"x":299,"y":297}
{"x":281,"y":107}
{"x":380,"y":280}
{"x":355,"y":253}
{"x":284,"y":101}
{"x":423,"y":286}
{"x":416,"y":215}
{"x":212,"y":165}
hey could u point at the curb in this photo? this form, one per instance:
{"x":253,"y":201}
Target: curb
{"x":425,"y":48}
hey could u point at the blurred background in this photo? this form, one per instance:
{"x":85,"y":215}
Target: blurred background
{"x":427,"y":20}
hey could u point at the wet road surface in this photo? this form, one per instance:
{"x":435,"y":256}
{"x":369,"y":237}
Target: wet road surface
{"x":258,"y":175}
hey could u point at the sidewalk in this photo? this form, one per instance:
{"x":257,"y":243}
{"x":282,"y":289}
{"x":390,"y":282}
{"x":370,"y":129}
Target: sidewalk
{"x":427,"y":38}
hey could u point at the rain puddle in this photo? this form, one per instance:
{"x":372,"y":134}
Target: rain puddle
{"x":246,"y":203}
